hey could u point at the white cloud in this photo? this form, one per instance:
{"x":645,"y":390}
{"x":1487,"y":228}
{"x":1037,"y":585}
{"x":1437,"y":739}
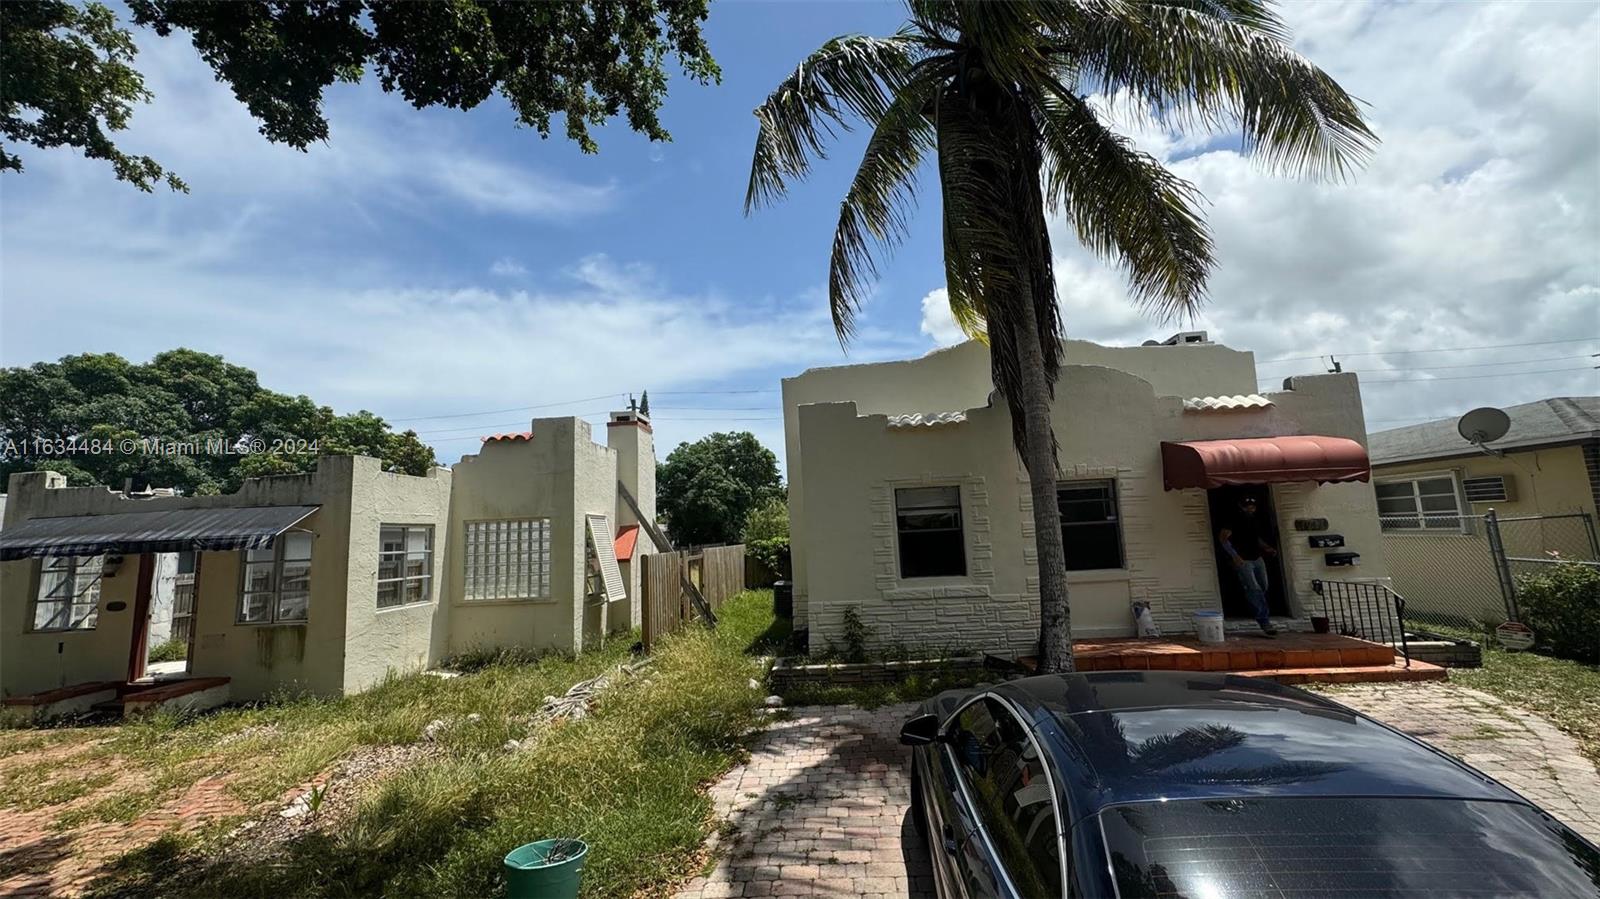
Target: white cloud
{"x":507,"y":267}
{"x":1476,"y":223}
{"x":937,"y":322}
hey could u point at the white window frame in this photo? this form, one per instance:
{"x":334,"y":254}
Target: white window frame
{"x":403,"y":579}
{"x":1462,"y":514}
{"x":275,"y":613}
{"x":506,"y":560}
{"x":72,"y":565}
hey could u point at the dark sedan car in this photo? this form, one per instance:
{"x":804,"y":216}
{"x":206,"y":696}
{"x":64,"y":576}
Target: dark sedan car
{"x":1205,"y":786}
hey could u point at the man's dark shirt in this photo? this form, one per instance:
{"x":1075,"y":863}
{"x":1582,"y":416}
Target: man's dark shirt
{"x":1247,"y":534}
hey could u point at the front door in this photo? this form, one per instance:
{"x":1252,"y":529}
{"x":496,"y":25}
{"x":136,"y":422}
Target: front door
{"x":1224,"y":503}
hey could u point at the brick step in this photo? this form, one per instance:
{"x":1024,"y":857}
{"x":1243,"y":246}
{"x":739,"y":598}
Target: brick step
{"x":1251,"y":652}
{"x":1353,"y":674}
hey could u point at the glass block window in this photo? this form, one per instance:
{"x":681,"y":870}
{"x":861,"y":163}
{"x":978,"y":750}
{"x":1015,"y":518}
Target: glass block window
{"x":507,"y":559}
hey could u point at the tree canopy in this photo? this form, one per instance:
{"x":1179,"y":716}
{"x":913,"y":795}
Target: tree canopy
{"x":101,"y":400}
{"x":70,"y":80}
{"x":706,"y":490}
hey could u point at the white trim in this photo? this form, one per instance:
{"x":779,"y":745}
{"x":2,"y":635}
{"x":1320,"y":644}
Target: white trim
{"x":1462,"y":513}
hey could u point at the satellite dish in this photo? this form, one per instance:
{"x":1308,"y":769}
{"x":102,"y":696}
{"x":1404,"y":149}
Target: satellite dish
{"x":1484,"y":425}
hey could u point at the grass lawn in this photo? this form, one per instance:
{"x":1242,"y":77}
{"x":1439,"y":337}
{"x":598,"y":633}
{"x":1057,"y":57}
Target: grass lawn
{"x":1565,"y":692}
{"x":627,"y":778}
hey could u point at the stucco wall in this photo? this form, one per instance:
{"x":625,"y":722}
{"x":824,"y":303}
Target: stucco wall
{"x":1110,"y":424}
{"x":512,"y":479}
{"x":405,"y":638}
{"x":636,"y":468}
{"x":958,"y":378}
{"x":594,"y":492}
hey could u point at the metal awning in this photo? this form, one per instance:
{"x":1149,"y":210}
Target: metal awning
{"x":131,"y":533}
{"x":1263,"y":460}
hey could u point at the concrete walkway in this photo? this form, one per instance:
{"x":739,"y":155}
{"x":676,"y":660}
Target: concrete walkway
{"x":821,"y":808}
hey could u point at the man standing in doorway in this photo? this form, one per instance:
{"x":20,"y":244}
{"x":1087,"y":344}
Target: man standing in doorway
{"x":1244,"y":539}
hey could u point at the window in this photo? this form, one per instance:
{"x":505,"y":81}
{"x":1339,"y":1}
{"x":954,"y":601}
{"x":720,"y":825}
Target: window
{"x":1427,"y":503}
{"x":276,"y":586}
{"x":1006,"y":781}
{"x":508,"y":559}
{"x":405,"y":565}
{"x":1091,"y":532}
{"x":928,"y":523}
{"x":1488,"y":489}
{"x":69,"y":593}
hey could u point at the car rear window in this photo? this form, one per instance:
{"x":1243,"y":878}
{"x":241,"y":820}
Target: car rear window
{"x":1320,"y":847}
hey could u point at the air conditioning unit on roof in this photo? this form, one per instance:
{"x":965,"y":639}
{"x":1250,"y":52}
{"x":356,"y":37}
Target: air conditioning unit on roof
{"x":1185,"y":338}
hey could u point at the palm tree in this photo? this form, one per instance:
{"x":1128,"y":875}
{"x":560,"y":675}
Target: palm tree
{"x":998,"y":93}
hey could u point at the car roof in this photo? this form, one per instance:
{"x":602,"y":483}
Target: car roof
{"x":1141,"y":736}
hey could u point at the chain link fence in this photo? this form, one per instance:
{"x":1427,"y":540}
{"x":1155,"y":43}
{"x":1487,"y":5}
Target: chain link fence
{"x":1461,"y":571}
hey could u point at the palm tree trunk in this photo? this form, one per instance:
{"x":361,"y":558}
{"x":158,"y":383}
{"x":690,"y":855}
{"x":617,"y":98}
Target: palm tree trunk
{"x":1039,"y":456}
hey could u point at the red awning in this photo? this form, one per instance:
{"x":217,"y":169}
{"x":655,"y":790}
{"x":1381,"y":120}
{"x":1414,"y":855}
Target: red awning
{"x":1264,"y":460}
{"x":627,"y":539}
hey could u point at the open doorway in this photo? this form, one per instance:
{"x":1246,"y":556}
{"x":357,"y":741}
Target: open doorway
{"x":169,"y":627}
{"x":1224,"y":502}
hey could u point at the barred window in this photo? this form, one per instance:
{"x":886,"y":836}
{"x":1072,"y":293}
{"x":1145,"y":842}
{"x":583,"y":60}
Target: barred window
{"x":405,"y":565}
{"x":276,"y":582}
{"x":507,"y":559}
{"x":69,"y":593}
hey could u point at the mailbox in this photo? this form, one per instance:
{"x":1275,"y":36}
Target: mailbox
{"x":1326,"y":541}
{"x":1342,"y":560}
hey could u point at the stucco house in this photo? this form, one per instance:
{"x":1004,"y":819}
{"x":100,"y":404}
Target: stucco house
{"x":909,"y":505}
{"x":1435,"y":490}
{"x":326,"y":582}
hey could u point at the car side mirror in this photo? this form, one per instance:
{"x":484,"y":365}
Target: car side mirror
{"x":920,"y":731}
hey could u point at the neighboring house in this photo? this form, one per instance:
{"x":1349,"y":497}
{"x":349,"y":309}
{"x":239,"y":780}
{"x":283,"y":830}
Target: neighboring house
{"x":1548,"y":463}
{"x":909,"y":504}
{"x":1435,"y":488}
{"x":329,"y":581}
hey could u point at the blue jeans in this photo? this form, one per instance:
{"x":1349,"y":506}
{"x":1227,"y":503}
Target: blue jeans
{"x":1253,"y":577}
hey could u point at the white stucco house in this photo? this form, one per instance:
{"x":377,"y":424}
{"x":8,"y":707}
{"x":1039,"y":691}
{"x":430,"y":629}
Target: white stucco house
{"x":909,"y":505}
{"x":327,"y":582}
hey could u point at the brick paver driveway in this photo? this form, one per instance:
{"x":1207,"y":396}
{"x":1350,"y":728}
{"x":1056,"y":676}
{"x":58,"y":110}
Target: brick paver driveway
{"x":821,"y":808}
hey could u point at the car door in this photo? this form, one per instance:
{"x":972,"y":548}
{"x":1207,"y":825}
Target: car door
{"x":1006,"y":801}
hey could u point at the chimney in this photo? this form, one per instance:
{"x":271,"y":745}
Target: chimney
{"x":629,"y":433}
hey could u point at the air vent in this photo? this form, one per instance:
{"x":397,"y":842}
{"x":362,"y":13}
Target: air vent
{"x":1489,"y":489}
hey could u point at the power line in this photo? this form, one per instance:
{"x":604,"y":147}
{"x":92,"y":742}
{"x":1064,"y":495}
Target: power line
{"x":1448,"y":349}
{"x":1384,"y":371}
{"x":1508,"y":374}
{"x":588,"y":399}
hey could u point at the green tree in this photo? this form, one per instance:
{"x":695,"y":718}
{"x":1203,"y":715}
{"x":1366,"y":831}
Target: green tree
{"x":179,"y":396}
{"x":706,"y":489}
{"x":996,"y":94}
{"x":69,"y":76}
{"x":767,"y":521}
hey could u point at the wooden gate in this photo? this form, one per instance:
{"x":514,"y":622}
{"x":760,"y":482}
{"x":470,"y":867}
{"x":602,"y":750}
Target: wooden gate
{"x":718,"y":572}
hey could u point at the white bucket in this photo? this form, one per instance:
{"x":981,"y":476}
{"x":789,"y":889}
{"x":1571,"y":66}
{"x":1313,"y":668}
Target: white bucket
{"x":1208,"y":626}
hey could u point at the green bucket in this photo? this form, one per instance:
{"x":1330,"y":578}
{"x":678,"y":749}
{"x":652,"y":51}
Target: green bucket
{"x":530,"y":874}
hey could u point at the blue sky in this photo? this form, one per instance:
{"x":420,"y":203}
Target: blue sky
{"x":430,"y":264}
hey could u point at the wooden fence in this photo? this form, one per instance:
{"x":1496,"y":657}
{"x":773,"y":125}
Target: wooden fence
{"x":717,"y":572}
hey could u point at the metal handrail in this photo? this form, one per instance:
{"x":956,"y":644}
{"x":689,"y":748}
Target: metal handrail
{"x":1362,"y":607}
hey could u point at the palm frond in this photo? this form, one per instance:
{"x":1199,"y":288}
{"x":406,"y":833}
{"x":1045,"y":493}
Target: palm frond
{"x":880,"y":195}
{"x":849,"y":76}
{"x":1126,"y":207}
{"x":1211,"y":64}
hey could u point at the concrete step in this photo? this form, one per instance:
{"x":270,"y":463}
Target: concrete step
{"x":1353,"y":674}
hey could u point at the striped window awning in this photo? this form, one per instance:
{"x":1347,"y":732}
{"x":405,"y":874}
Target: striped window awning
{"x":163,"y":531}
